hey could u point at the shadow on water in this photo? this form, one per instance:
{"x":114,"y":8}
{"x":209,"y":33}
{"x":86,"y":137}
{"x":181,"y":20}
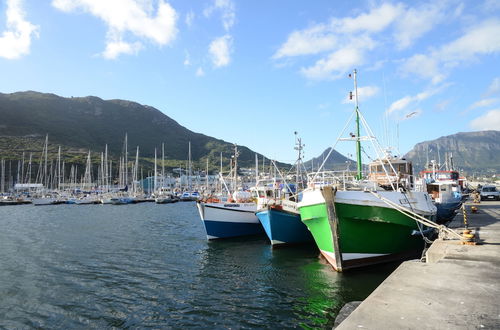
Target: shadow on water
{"x":150,"y":265}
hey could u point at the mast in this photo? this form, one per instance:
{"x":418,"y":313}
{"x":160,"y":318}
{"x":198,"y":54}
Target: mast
{"x":154,"y":176}
{"x":163,"y":164}
{"x":126,"y":159}
{"x":299,"y":147}
{"x":45,"y":176}
{"x":189,"y":166}
{"x":359,"y":174}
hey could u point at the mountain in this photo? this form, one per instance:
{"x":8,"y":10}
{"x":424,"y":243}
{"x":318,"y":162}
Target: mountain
{"x":472,"y":152}
{"x":336,"y":161}
{"x":82,"y":123}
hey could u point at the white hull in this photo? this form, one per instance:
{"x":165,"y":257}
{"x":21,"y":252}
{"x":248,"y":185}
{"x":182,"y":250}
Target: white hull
{"x":229,"y":219}
{"x":419,"y":202}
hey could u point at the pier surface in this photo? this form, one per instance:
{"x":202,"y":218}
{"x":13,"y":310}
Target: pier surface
{"x":457,"y":288}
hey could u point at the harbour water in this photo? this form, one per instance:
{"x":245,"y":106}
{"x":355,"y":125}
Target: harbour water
{"x":149,"y":265}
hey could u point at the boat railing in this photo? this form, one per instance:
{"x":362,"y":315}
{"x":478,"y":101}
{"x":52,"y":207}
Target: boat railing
{"x":326,"y":178}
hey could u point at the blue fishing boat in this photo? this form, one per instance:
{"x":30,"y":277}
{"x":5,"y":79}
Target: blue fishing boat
{"x":282,"y":224}
{"x":277,"y":206}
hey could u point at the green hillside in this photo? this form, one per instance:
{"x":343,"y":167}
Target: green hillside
{"x":82,"y":123}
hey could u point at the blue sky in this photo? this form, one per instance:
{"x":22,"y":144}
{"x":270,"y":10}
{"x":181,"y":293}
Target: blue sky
{"x":253,"y":72}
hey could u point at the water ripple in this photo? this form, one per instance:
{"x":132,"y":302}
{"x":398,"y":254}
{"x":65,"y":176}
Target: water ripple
{"x":149,"y":265}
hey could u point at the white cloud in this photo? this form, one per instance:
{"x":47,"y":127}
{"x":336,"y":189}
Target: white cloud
{"x":16,"y":40}
{"x":481,"y":39}
{"x":187,"y":59}
{"x":415,"y":22}
{"x":220,"y":51}
{"x":227,"y":10}
{"x":484,"y":103}
{"x":494,"y":87}
{"x":374,"y":21}
{"x":408,"y":100}
{"x":200,"y":72}
{"x":128,"y":17}
{"x":336,"y":64}
{"x":115,"y":48}
{"x":364,"y":93}
{"x":353,"y":36}
{"x":340,"y":61}
{"x":309,"y":41}
{"x":488,"y":121}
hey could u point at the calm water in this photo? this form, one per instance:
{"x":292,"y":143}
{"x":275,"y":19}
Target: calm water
{"x":148,"y":265}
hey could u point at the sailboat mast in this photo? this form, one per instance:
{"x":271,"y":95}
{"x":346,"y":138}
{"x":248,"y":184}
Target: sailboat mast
{"x":359,"y":174}
{"x":189,"y":170}
{"x":154,"y":176}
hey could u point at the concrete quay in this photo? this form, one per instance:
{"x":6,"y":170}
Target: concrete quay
{"x":458,"y":287}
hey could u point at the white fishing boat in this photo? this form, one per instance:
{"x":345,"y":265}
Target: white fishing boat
{"x":233,"y":217}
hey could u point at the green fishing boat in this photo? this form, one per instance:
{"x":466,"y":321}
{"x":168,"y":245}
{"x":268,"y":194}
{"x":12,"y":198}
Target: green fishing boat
{"x":357,"y":222}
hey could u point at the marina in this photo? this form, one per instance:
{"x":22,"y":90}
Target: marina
{"x":230,"y":164}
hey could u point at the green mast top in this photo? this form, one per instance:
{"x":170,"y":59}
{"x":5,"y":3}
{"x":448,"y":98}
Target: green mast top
{"x":359,"y":174}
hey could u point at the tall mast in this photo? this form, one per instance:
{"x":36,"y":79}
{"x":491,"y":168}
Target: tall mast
{"x":299,"y":147}
{"x":154,"y":176}
{"x":163,"y":164}
{"x":189,"y":165}
{"x":45,"y":176}
{"x":126,"y":159}
{"x":359,"y":174}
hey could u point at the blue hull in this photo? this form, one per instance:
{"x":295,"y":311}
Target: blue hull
{"x":283,"y":227}
{"x":225,"y":229}
{"x":447,"y":211}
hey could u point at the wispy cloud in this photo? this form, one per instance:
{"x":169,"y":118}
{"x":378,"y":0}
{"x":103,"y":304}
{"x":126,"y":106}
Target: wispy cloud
{"x":221,"y":48}
{"x":494,"y":87}
{"x":227,"y":11}
{"x":315,"y":40}
{"x":347,"y":40}
{"x":488,"y":121}
{"x":409,"y":100}
{"x":200,"y":72}
{"x":480,"y":39}
{"x":187,"y":59}
{"x":220,"y":51}
{"x":364,"y":93}
{"x":16,"y":39}
{"x":190,"y":18}
{"x":484,"y":103}
{"x":128,"y":17}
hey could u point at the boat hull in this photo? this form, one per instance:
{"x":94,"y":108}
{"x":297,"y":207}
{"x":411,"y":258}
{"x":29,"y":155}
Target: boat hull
{"x":447,"y":211}
{"x":224,"y":220}
{"x":365,"y":231}
{"x":283,"y":227}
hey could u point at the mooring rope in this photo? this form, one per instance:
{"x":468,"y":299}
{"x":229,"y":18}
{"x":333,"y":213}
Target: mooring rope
{"x":417,"y":217}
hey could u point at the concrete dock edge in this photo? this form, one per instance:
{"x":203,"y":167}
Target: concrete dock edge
{"x":457,"y":288}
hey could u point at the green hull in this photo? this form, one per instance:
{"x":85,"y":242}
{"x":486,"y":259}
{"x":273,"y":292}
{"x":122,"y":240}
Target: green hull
{"x":366,"y":234}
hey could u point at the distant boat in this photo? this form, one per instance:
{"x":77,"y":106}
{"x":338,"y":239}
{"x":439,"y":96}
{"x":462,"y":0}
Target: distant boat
{"x":166,"y":197}
{"x":190,"y":196}
{"x":444,"y":188}
{"x":122,"y":200}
